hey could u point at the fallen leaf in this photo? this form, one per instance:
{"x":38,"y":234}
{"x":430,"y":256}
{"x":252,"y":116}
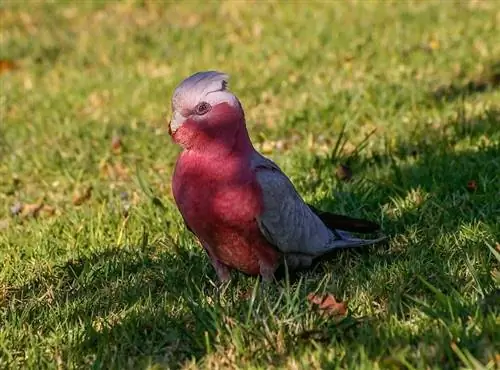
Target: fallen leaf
{"x":82,"y":196}
{"x":327,"y":304}
{"x":246,"y":294}
{"x":116,"y":143}
{"x":120,"y":170}
{"x":471,"y":185}
{"x":114,"y":171}
{"x":31,"y":209}
{"x":344,"y":172}
{"x":47,"y":210}
{"x":7,"y":65}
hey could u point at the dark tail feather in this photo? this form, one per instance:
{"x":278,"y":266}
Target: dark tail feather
{"x":356,"y":225}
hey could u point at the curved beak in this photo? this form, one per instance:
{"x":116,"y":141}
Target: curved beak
{"x":175,"y":123}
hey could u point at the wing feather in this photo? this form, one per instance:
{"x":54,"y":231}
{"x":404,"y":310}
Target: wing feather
{"x":287,"y":221}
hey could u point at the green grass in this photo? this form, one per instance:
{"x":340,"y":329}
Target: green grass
{"x":118,"y":282}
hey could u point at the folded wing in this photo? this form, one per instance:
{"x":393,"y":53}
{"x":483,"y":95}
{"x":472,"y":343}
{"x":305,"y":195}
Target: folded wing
{"x":287,"y":221}
{"x":293,"y":226}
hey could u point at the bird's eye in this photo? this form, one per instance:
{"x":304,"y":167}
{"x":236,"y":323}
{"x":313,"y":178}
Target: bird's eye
{"x":202,"y":108}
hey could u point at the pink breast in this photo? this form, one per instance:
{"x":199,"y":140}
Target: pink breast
{"x":221,"y":209}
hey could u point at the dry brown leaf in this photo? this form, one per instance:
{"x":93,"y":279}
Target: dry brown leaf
{"x":328,"y":304}
{"x":113,"y":171}
{"x":47,"y":210}
{"x":246,"y":294}
{"x":7,"y":65}
{"x":82,"y":196}
{"x":344,"y":172}
{"x":37,"y":209}
{"x":120,"y":171}
{"x":116,"y":143}
{"x":31,"y":210}
{"x":471,"y":185}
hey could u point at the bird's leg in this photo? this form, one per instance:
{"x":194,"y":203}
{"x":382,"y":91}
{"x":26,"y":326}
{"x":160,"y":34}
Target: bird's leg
{"x":298,"y":260}
{"x":223,"y":271}
{"x":291,"y":261}
{"x":268,"y":263}
{"x":267,"y":272}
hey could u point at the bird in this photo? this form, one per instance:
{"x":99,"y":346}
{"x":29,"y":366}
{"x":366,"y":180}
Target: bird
{"x":243,"y":209}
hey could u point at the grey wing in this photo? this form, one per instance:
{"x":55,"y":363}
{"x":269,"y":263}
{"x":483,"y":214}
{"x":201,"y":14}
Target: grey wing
{"x":287,"y":221}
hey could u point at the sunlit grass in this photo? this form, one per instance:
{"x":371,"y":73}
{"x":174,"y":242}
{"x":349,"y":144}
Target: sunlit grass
{"x":94,"y":273}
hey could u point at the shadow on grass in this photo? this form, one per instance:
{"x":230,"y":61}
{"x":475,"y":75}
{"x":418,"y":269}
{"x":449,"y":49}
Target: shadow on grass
{"x":127,"y":300}
{"x":431,"y":164}
{"x":437,"y":224}
{"x":438,"y":191}
{"x":131,"y":300}
{"x":489,"y":80}
{"x":441,"y":201}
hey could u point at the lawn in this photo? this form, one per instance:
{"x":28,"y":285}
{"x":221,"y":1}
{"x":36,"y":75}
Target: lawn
{"x":97,"y":268}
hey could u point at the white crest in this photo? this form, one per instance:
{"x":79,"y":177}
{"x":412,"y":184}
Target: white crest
{"x":209,"y":86}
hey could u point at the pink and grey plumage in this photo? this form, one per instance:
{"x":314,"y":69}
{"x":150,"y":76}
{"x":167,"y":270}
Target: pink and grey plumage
{"x":240,"y":205}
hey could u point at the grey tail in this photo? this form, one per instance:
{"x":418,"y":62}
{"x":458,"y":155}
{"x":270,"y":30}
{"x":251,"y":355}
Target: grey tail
{"x":346,"y":240}
{"x":340,"y":222}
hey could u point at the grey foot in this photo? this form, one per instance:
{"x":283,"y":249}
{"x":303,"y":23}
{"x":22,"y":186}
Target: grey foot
{"x":223,"y":272}
{"x":267,"y":272}
{"x":296,"y":261}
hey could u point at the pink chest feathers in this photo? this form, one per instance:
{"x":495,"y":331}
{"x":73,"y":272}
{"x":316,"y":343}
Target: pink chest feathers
{"x":212,"y":206}
{"x":216,"y":191}
{"x":220,"y":203}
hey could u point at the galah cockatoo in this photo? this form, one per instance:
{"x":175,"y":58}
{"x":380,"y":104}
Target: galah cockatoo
{"x":243,"y":209}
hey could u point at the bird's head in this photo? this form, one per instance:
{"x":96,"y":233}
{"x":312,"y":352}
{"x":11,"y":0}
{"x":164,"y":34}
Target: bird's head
{"x":204,"y":112}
